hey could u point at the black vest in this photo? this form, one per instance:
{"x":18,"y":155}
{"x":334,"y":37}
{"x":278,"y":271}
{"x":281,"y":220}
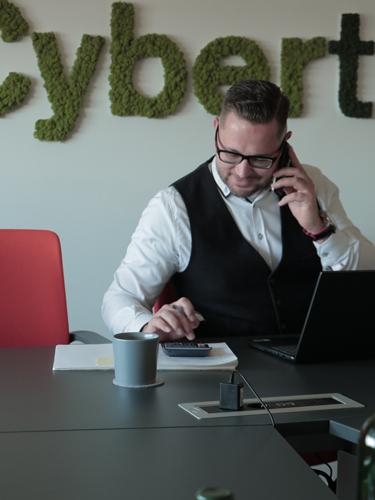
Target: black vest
{"x":226,"y":278}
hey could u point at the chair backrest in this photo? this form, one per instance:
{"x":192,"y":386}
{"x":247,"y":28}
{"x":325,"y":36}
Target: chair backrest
{"x":32,"y":291}
{"x":167,"y":296}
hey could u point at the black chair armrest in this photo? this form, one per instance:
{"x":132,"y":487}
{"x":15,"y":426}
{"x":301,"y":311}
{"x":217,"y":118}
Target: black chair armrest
{"x":88,"y":337}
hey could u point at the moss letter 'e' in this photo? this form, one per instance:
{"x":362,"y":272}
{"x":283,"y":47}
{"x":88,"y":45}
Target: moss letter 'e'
{"x":66,"y":99}
{"x":294,"y":56}
{"x":13,"y":91}
{"x":208,"y":73}
{"x":348,"y":50}
{"x":12,"y":24}
{"x":126,"y":51}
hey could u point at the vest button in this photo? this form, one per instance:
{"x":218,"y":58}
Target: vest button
{"x":283,"y":326}
{"x":278,"y":302}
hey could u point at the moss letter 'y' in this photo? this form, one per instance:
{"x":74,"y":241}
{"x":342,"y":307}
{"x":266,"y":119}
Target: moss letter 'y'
{"x":348,"y":50}
{"x":12,"y":24}
{"x":208,"y":73}
{"x":294,"y":56}
{"x":66,"y":99}
{"x":126,"y":51}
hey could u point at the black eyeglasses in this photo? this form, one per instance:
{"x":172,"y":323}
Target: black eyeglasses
{"x":236,"y":158}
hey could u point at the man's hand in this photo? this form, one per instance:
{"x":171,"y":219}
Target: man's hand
{"x":299,"y":194}
{"x":170,"y":324}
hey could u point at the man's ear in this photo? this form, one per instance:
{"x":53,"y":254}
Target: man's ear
{"x":288,"y":135}
{"x":216,"y":123}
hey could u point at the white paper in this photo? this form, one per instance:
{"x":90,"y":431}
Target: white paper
{"x":84,"y":357}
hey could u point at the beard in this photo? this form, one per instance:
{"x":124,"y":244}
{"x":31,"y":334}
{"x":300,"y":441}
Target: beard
{"x":255,"y":184}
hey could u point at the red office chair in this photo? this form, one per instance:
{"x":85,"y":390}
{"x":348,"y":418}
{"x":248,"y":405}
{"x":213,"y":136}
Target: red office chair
{"x":32,"y":291}
{"x":167,"y":296}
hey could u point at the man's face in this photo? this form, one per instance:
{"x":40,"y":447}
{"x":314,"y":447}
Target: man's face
{"x":240,"y":136}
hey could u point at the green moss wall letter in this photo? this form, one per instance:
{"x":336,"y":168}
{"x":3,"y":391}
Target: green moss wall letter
{"x":12,"y":24}
{"x":126,"y":51}
{"x":13,"y":92}
{"x":295,"y":54}
{"x":208,"y":73}
{"x":15,"y":87}
{"x":66,"y":99}
{"x":348,"y":49}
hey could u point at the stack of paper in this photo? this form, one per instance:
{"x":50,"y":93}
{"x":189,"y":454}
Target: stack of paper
{"x":100,"y":357}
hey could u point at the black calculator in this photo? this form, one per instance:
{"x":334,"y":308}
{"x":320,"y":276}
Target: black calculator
{"x":186,"y":349}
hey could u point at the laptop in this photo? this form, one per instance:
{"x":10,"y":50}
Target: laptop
{"x":339,"y":325}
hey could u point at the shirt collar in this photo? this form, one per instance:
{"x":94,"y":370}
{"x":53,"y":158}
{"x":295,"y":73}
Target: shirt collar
{"x":219,"y":181}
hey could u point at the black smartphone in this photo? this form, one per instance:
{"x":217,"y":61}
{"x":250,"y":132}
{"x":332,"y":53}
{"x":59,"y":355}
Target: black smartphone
{"x":284,"y":161}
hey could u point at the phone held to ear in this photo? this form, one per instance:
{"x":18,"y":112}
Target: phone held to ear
{"x":284,"y":161}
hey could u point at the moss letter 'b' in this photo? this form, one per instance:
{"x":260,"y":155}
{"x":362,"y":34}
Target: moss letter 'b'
{"x":12,"y":24}
{"x":294,"y":56}
{"x":66,"y":99}
{"x":348,"y":50}
{"x":208,"y":73}
{"x":126,"y":51}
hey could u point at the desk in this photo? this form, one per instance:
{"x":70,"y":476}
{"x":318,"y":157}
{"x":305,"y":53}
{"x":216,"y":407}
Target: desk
{"x":154,"y":463}
{"x":76,"y":435}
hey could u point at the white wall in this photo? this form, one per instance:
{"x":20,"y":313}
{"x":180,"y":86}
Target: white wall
{"x":92,"y":188}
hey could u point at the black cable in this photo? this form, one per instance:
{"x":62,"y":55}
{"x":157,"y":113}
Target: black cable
{"x":330,"y":483}
{"x":325,"y":463}
{"x":255,"y":394}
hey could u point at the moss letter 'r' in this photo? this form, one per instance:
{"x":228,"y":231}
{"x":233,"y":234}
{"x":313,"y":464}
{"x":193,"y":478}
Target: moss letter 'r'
{"x":295,"y":54}
{"x":66,"y":99}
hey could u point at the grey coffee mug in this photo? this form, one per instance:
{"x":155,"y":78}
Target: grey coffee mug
{"x":135,"y":358}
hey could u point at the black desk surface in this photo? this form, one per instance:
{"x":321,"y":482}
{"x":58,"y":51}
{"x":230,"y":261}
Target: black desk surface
{"x":165,"y":464}
{"x":36,"y":398}
{"x":56,"y":421}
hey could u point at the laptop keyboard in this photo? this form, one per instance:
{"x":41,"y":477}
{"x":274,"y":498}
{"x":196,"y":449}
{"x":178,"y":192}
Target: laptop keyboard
{"x":289,"y":350}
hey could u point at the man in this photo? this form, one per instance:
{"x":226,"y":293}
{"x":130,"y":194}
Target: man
{"x":244,"y":256}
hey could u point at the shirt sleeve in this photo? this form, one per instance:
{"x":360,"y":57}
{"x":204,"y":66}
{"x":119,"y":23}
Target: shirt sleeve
{"x":347,"y":249}
{"x":160,"y":247}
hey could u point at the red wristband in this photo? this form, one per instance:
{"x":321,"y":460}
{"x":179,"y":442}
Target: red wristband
{"x":326,"y":231}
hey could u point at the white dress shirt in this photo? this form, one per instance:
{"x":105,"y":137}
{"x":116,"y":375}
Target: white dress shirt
{"x":161,"y":245}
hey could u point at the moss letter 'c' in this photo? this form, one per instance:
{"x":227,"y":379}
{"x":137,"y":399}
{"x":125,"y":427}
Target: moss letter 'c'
{"x":66,"y":99}
{"x":294,"y":56}
{"x":15,"y":87}
{"x":126,"y":51}
{"x":348,"y":50}
{"x":13,"y":91}
{"x":12,"y":24}
{"x":208,"y":73}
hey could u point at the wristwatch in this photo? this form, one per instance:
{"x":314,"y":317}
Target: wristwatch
{"x":328,"y":229}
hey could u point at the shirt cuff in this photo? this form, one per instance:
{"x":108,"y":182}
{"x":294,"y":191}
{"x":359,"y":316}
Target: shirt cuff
{"x":333,"y":251}
{"x":139,"y":322}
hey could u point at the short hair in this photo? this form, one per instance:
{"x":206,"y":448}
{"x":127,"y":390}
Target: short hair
{"x":256,"y":101}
